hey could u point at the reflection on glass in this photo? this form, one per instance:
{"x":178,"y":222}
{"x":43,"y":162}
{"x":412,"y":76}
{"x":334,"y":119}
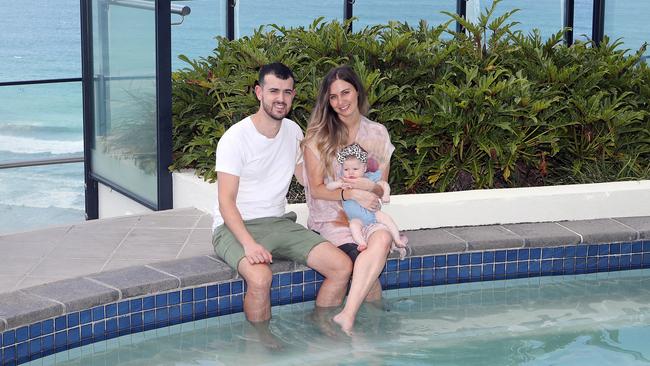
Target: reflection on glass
{"x":545,"y":15}
{"x":251,"y":14}
{"x":124,"y":149}
{"x":627,"y":20}
{"x":195,"y":37}
{"x":373,"y":12}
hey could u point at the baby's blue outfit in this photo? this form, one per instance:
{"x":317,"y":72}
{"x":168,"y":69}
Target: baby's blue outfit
{"x":356,"y":211}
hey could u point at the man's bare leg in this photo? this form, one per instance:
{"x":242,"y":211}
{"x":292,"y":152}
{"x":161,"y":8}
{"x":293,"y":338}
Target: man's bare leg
{"x":257,"y":300}
{"x":336,"y":267}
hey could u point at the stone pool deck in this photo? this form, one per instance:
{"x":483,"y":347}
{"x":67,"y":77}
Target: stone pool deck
{"x":55,"y":271}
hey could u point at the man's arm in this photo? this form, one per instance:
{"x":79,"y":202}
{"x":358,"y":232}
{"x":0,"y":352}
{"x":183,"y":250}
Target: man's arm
{"x":228,"y":187}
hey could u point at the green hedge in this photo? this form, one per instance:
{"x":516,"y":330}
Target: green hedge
{"x":488,"y":108}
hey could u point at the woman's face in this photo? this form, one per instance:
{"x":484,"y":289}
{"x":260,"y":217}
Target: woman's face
{"x":344,"y":99}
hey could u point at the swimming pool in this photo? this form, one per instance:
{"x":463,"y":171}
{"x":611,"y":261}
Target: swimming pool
{"x":600,"y":318}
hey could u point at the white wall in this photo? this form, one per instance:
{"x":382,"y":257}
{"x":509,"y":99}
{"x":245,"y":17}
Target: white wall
{"x":478,"y":207}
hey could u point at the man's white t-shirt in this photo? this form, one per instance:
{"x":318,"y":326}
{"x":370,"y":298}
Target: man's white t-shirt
{"x":264,"y":167}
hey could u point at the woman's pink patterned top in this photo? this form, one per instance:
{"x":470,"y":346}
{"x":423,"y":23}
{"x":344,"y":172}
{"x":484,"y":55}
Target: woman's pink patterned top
{"x":328,"y":217}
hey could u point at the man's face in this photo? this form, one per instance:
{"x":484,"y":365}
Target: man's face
{"x":353,"y":168}
{"x":275,"y":96}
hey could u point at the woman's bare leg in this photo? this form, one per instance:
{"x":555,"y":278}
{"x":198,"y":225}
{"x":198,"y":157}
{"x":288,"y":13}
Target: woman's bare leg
{"x":384,"y":218}
{"x":367,"y":268}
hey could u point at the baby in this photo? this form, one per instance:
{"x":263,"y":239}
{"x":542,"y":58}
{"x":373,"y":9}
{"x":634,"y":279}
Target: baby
{"x":354,"y":160}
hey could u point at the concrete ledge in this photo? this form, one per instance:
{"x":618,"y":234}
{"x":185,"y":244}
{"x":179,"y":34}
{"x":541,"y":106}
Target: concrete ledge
{"x":137,"y":281}
{"x":19,"y":308}
{"x":75,"y":294}
{"x":196,"y":270}
{"x":42,"y":302}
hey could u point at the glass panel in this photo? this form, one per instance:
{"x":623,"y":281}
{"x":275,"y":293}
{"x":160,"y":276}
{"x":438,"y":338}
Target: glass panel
{"x":582,"y":14}
{"x":39,"y":40}
{"x":40,"y":122}
{"x":37,"y":197}
{"x":372,"y":12}
{"x":628,"y":20}
{"x":289,"y":13}
{"x":545,"y":15}
{"x":195,"y":37}
{"x":124,"y":146}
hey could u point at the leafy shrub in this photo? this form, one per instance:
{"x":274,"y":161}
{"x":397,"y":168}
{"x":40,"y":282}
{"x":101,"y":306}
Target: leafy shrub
{"x":464,"y":112}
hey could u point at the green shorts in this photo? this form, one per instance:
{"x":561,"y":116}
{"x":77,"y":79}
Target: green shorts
{"x":281,"y":236}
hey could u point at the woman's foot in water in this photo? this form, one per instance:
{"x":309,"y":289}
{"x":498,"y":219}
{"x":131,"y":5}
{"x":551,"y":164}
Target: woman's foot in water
{"x":345,"y":321}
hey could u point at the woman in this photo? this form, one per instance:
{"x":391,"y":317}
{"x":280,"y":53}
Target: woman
{"x":337,"y":121}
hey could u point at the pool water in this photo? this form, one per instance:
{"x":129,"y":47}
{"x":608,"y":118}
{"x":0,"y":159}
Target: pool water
{"x":594,"y":319}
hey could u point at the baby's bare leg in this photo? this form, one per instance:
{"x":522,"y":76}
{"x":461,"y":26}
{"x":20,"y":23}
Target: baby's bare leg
{"x":356,"y":227}
{"x":386,"y":188}
{"x":385,"y":219}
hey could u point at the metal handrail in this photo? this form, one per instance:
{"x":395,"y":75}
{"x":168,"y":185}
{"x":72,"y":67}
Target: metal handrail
{"x":43,"y":81}
{"x":27,"y":163}
{"x":181,"y":10}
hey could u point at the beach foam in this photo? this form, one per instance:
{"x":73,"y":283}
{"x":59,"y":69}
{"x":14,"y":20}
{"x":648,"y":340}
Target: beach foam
{"x":27,"y":145}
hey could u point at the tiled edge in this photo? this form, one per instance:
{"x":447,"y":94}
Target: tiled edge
{"x":601,"y":230}
{"x":640,"y":224}
{"x":196,"y":270}
{"x":75,"y":294}
{"x":487,"y":237}
{"x":151,"y":297}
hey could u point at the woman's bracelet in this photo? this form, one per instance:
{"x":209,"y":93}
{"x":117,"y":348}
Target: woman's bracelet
{"x":342,"y":198}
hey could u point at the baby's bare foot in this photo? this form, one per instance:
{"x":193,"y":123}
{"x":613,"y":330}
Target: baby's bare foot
{"x":362,"y":247}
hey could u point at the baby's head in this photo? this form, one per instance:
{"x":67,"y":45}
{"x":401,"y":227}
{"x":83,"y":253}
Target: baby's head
{"x":353,"y":158}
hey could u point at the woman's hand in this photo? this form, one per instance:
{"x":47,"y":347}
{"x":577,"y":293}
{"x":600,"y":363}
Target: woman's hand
{"x":362,"y":183}
{"x":368,"y":200}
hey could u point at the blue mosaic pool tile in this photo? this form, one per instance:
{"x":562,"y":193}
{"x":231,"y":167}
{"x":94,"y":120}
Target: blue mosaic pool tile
{"x":285,"y":279}
{"x":391,"y":280}
{"x":592,"y":250}
{"x":285,"y":295}
{"x":212,"y":292}
{"x":310,"y":275}
{"x":603,"y":249}
{"x":452,"y":274}
{"x":137,"y":319}
{"x":160,"y":300}
{"x":22,"y":334}
{"x":403,"y":279}
{"x":48,"y":343}
{"x":73,"y":319}
{"x":534,"y":268}
{"x":123,"y":307}
{"x":592,"y":264}
{"x":35,"y":348}
{"x":427,"y":277}
{"x":511,"y":269}
{"x":415,"y":278}
{"x":416,"y":263}
{"x":123,"y":322}
{"x":9,"y":354}
{"x":646,"y":259}
{"x":614,"y":263}
{"x":99,"y":328}
{"x":440,"y":261}
{"x":570,"y":252}
{"x":149,"y":302}
{"x":558,"y":252}
{"x":296,"y":293}
{"x":47,"y":327}
{"x":547,"y":253}
{"x":403,"y":264}
{"x":487,"y":271}
{"x":646,"y":245}
{"x":463,"y":259}
{"x":500,"y":256}
{"x":569,"y":266}
{"x":136,"y":305}
{"x":625,"y":261}
{"x":547,"y":267}
{"x":603,"y":263}
{"x":488,"y":257}
{"x":224,"y":289}
{"x":110,"y":310}
{"x":511,"y":255}
{"x":581,"y":250}
{"x":85,"y":316}
{"x":224,"y":305}
{"x":558,"y":266}
{"x":74,"y":335}
{"x":297,"y":278}
{"x":175,"y":310}
{"x":8,"y":338}
{"x":22,"y":352}
{"x":439,"y":276}
{"x":111,"y":324}
{"x":60,"y":339}
{"x":319,"y":277}
{"x":188,"y":294}
{"x":636,"y":260}
{"x":237,"y":303}
{"x":452,"y":260}
{"x":162,"y":314}
{"x":187,"y":310}
{"x":476,"y":258}
{"x":86,"y":331}
{"x":200,"y":293}
{"x":626,"y":248}
{"x":463,"y":273}
{"x":522,"y":268}
{"x":237,"y":287}
{"x":499,"y":270}
{"x":149,"y":318}
{"x":200,"y":312}
{"x":98,"y":313}
{"x":35,"y":330}
{"x":637,"y":247}
{"x":428,"y":262}
{"x":615,"y":248}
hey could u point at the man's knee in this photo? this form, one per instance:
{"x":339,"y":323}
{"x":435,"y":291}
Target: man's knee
{"x":330,"y":261}
{"x":258,"y":277}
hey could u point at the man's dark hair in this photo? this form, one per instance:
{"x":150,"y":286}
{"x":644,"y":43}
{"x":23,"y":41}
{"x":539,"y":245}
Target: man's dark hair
{"x":280,"y":70}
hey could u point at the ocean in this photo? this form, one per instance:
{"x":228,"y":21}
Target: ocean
{"x":41,"y":40}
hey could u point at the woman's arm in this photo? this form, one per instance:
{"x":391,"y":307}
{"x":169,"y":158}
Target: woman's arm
{"x":318,"y":189}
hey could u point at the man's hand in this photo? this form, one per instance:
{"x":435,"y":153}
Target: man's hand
{"x":257,"y":254}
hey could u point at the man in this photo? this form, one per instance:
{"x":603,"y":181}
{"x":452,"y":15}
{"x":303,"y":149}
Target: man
{"x":255,"y":161}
